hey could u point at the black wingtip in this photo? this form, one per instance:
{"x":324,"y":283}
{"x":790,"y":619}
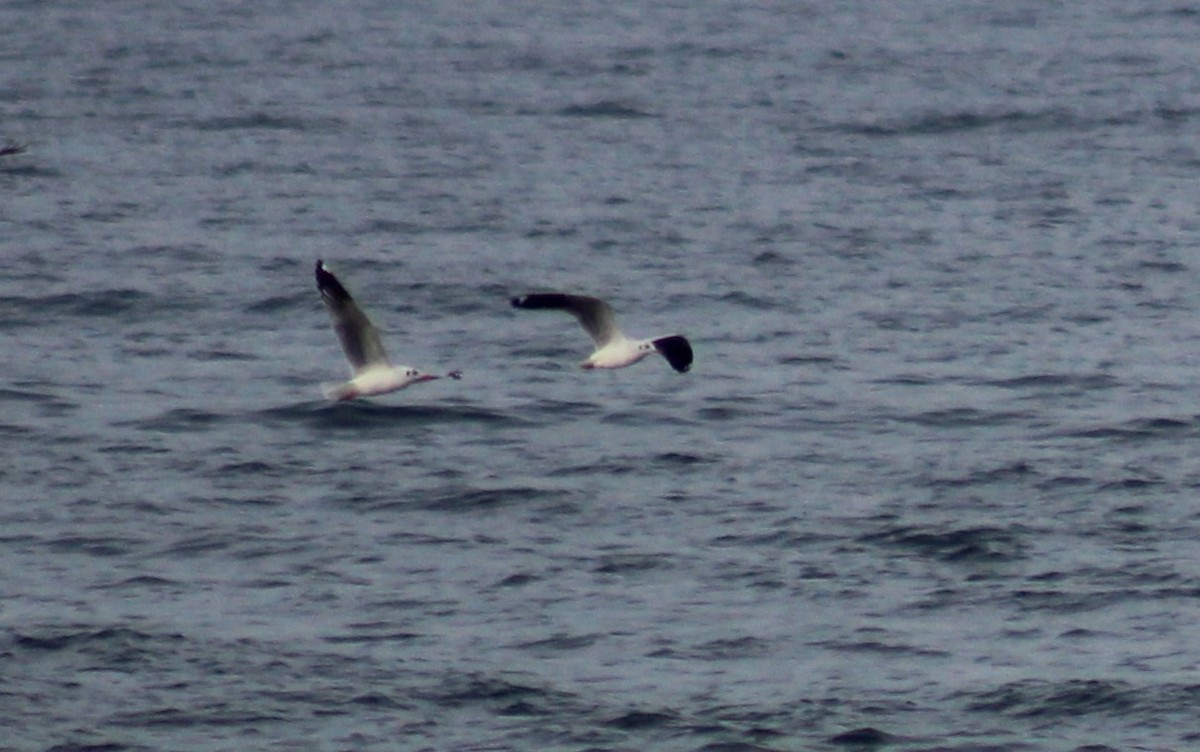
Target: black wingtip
{"x":677,"y":350}
{"x":330,"y":287}
{"x":544,"y":300}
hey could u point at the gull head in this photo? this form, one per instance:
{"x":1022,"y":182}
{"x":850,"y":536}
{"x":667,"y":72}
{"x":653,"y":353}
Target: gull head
{"x":410,"y":376}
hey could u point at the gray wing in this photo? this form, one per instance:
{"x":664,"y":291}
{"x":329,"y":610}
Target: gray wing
{"x":359,"y":338}
{"x":594,"y":314}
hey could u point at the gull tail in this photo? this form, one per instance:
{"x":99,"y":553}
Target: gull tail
{"x":677,"y":350}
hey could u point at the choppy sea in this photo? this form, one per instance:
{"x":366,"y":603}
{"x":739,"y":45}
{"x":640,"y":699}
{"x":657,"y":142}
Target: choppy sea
{"x":932,"y":483}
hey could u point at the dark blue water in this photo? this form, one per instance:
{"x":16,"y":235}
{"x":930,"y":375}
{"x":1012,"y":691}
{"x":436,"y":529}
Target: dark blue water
{"x":930,"y":485}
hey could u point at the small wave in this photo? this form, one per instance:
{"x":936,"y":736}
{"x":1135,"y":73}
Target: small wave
{"x":1018,"y":470}
{"x":605,"y":108}
{"x":560,"y":410}
{"x":110,"y":303}
{"x":471,"y":499}
{"x":17,"y":159}
{"x":253,"y":468}
{"x":381,"y":226}
{"x":21,"y":395}
{"x":221,"y":355}
{"x":127,"y":448}
{"x":743,"y":299}
{"x":178,"y":420}
{"x":28,"y":170}
{"x":641,"y":416}
{"x":519,"y":579}
{"x":196,"y":545}
{"x":365,"y":415}
{"x":1064,"y":481}
{"x":962,"y":545}
{"x":265,"y":121}
{"x":1049,"y":699}
{"x":1131,"y":484}
{"x":726,"y":413}
{"x":1071,"y":601}
{"x":733,"y":648}
{"x":866,"y":737}
{"x":120,"y":642}
{"x":602,"y":467}
{"x":219,"y":715}
{"x":11,"y":430}
{"x":378,"y":701}
{"x":1141,"y":429}
{"x":1072,"y":381}
{"x":683,"y":459}
{"x":142,"y":581}
{"x":636,"y":463}
{"x":945,"y":123}
{"x":1167,"y":267}
{"x":93,"y":545}
{"x":881,"y":648}
{"x":636,"y":720}
{"x":367,"y":638}
{"x":786,"y":537}
{"x":277,"y":303}
{"x":47,"y":404}
{"x":734,"y":747}
{"x":956,"y":417}
{"x":561,"y":642}
{"x":624,"y":564}
{"x":471,"y":690}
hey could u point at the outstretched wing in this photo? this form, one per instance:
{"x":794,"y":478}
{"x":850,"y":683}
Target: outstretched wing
{"x":677,"y":350}
{"x":594,"y":314}
{"x":359,"y":338}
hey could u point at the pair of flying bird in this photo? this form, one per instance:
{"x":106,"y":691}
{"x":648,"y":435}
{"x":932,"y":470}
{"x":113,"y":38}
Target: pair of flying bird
{"x":372,"y":372}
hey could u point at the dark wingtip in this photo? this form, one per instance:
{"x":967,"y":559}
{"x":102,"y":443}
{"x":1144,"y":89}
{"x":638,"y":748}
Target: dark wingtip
{"x":536,"y":301}
{"x":329,"y":285}
{"x":677,"y":350}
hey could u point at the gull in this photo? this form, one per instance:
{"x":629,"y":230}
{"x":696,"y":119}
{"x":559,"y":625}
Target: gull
{"x":369,"y":366}
{"x":613,"y":349}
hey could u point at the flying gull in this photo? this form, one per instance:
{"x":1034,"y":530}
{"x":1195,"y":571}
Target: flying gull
{"x":372,"y":372}
{"x":613,"y":349}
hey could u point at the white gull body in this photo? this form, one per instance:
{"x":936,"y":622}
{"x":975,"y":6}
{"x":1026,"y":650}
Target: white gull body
{"x":370,"y":369}
{"x":613,"y":348}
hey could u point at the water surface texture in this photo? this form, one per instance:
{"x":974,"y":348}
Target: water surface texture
{"x":930,"y":485}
